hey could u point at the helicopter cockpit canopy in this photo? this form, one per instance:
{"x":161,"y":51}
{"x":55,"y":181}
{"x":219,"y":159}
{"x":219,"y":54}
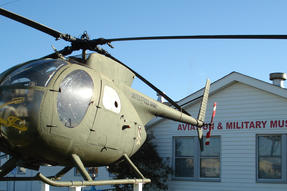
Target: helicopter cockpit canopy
{"x":37,"y":73}
{"x":19,"y":101}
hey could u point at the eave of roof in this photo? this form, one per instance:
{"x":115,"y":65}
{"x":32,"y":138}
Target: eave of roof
{"x":224,"y":82}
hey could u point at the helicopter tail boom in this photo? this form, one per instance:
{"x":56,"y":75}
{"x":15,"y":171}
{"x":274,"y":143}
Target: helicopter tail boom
{"x":180,"y":116}
{"x":152,"y":108}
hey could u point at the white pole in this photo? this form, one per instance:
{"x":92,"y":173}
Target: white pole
{"x":45,"y":187}
{"x":138,"y":187}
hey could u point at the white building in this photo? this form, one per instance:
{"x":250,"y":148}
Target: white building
{"x":248,"y":149}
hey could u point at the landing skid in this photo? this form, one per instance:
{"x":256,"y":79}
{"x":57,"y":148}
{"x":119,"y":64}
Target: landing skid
{"x":91,"y":183}
{"x":88,"y":181}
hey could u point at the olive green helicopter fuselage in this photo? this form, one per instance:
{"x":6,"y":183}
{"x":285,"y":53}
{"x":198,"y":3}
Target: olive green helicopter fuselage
{"x":53,"y":108}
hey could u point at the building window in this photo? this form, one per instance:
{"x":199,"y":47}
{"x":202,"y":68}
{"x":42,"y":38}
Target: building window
{"x":271,"y":158}
{"x":190,"y":163}
{"x":210,"y":159}
{"x":184,"y":156}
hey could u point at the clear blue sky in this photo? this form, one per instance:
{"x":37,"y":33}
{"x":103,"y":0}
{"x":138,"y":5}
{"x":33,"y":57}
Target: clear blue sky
{"x":177,"y":67}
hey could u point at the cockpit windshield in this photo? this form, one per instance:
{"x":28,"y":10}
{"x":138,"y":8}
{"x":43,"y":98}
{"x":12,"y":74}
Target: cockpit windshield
{"x":37,"y":73}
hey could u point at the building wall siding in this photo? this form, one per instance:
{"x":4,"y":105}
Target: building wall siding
{"x":236,"y":103}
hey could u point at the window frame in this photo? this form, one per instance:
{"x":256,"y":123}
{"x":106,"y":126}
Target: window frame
{"x":197,"y":158}
{"x":193,"y":157}
{"x":283,"y":178}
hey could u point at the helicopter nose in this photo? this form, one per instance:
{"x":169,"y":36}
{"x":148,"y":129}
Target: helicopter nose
{"x":21,"y":94}
{"x":18,"y":111}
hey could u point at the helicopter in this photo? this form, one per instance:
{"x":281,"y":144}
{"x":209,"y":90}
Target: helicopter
{"x":81,"y":111}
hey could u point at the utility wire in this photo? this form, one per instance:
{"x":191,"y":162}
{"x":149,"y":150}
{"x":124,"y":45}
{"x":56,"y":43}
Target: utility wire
{"x":9,"y":2}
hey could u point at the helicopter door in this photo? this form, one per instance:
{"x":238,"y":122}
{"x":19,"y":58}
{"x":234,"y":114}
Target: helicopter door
{"x":106,"y":132}
{"x":74,"y":104}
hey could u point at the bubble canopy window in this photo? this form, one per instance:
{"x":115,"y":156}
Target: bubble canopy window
{"x":37,"y":73}
{"x":74,"y":98}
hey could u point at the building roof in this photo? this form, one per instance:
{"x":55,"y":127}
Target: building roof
{"x":225,"y":82}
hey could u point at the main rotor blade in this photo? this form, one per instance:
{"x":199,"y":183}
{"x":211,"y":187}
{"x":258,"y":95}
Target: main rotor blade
{"x":275,"y":36}
{"x":34,"y":25}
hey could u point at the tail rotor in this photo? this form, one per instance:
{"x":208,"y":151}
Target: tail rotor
{"x":201,"y":114}
{"x":211,"y":125}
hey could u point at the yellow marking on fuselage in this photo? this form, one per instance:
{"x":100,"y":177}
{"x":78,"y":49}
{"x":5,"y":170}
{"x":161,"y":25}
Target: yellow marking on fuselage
{"x":16,"y":100}
{"x":15,"y":122}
